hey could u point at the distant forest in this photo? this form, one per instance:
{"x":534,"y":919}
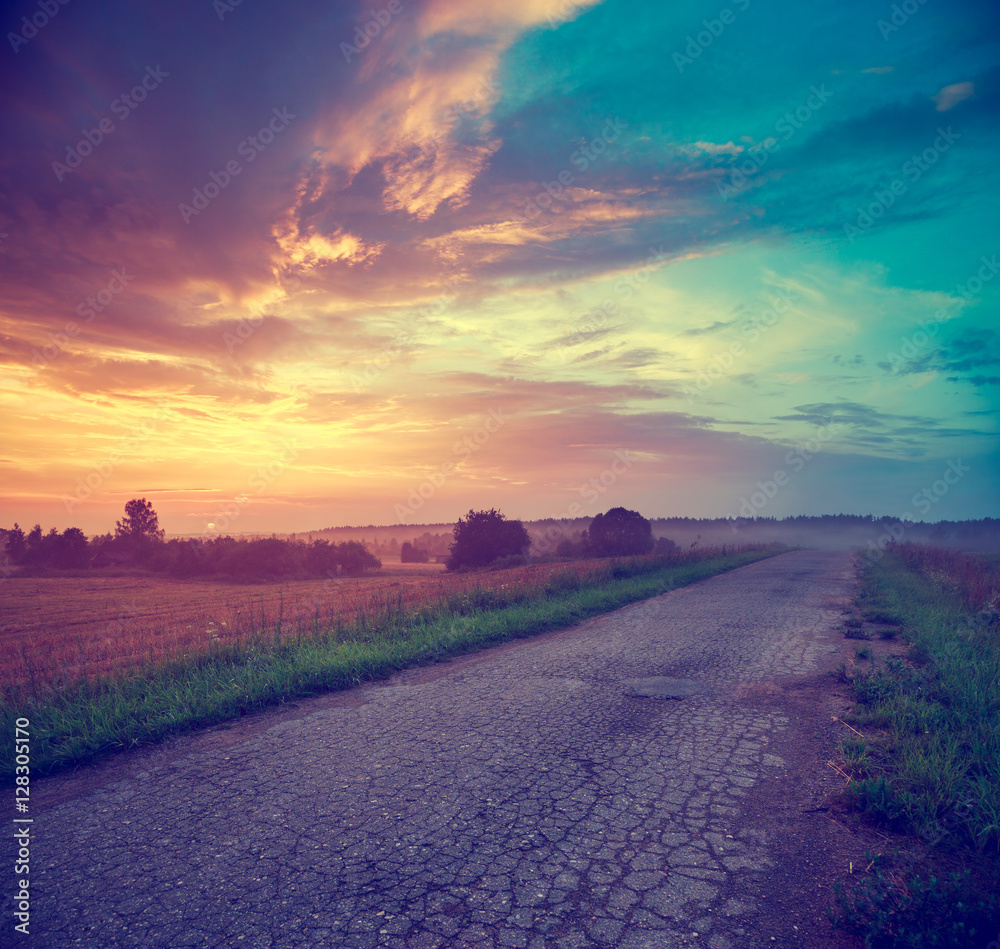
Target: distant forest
{"x":833,"y":531}
{"x":352,"y":550}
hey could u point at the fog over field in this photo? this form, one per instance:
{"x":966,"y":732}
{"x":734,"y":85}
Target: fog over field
{"x":834,"y":532}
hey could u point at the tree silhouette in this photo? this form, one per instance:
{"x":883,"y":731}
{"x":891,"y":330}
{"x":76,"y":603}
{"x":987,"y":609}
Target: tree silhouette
{"x":665,"y":547}
{"x":73,"y":552}
{"x":409,"y":553}
{"x":620,"y":533}
{"x":15,"y":543}
{"x":140,"y":522}
{"x":354,"y":557}
{"x":485,"y":536}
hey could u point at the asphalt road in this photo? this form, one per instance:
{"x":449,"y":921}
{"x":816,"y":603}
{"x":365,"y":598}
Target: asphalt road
{"x":524,"y":797}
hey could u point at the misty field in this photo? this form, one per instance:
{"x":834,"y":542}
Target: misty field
{"x":58,"y":630}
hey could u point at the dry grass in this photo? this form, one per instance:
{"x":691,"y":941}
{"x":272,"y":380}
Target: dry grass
{"x":57,"y":630}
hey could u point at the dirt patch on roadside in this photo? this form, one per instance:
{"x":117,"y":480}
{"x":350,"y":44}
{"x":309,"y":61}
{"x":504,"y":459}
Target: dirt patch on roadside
{"x":816,"y":836}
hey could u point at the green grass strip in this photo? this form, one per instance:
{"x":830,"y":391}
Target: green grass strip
{"x":930,"y":765}
{"x":939,"y":772}
{"x":86,"y":721}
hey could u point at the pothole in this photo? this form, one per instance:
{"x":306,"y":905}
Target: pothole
{"x":661,"y":687}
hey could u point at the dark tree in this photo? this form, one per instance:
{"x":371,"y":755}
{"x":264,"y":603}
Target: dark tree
{"x":140,"y":522}
{"x":409,"y":553}
{"x":15,"y":543}
{"x":569,"y":548}
{"x":620,"y":533}
{"x":665,"y":547}
{"x":321,"y":558}
{"x":354,"y":557}
{"x":36,"y":549}
{"x":73,"y":552}
{"x":186,"y":558}
{"x":485,"y":536}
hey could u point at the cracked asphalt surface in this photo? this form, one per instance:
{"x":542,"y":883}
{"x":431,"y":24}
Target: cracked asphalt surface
{"x":522,"y":797}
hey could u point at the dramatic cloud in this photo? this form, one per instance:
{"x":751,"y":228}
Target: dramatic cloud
{"x":375,"y":231}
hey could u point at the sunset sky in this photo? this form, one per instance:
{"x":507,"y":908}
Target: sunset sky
{"x":274,"y":274}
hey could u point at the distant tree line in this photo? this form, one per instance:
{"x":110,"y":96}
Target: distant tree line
{"x":433,"y":545}
{"x":69,"y":550}
{"x":139,"y":542}
{"x":262,"y":559}
{"x":482,"y":538}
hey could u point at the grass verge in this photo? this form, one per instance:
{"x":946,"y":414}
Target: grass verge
{"x":78,"y":723}
{"x":927,"y":762}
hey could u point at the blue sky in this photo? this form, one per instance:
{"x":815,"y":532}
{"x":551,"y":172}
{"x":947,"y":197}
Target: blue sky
{"x":741,"y":244}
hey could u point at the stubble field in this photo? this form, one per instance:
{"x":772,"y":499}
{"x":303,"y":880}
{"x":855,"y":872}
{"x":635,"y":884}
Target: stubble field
{"x":57,"y":630}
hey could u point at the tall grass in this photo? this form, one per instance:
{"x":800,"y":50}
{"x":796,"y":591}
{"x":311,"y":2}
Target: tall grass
{"x":931,"y":762}
{"x":80,"y":721}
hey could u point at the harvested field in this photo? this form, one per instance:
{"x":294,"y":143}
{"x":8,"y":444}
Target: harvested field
{"x":57,"y":630}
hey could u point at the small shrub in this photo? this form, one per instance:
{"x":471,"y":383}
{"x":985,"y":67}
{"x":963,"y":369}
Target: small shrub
{"x":856,"y":754}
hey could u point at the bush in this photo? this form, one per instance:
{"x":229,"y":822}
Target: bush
{"x":408,"y":553}
{"x":619,"y":533}
{"x":484,"y":537}
{"x":665,"y":547}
